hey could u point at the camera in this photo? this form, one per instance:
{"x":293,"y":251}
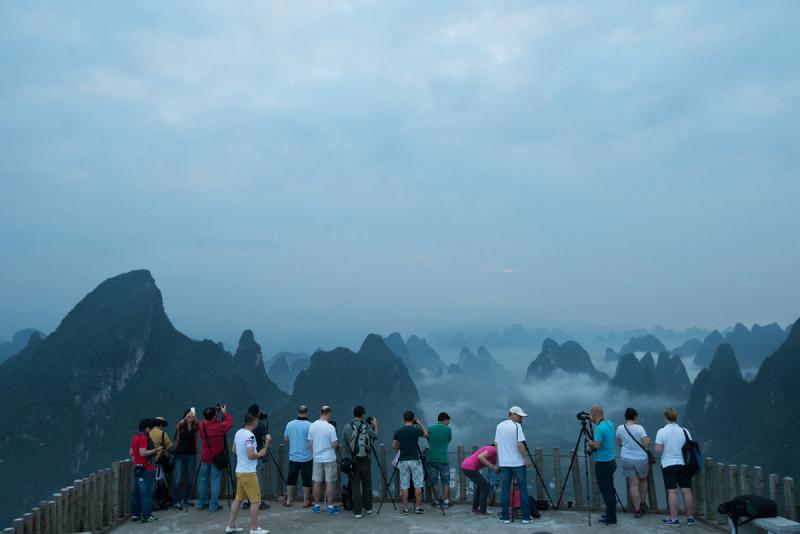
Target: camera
{"x":369,"y":420}
{"x":583,"y":416}
{"x":263,"y":416}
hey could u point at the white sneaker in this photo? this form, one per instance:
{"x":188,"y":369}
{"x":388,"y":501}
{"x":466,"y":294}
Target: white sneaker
{"x":259,"y":530}
{"x":229,"y":530}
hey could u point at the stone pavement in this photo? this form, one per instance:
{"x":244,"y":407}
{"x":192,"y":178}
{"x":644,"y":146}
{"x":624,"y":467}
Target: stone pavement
{"x":458,"y":520}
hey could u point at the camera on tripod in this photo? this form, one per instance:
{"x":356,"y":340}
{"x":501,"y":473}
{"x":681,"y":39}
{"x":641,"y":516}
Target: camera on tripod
{"x":584,"y":416}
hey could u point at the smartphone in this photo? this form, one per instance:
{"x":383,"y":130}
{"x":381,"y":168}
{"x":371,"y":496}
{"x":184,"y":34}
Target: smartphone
{"x":192,"y":410}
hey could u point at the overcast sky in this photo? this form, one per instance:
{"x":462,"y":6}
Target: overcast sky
{"x":299,"y":168}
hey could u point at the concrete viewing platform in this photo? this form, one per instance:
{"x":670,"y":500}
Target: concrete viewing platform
{"x":458,"y":520}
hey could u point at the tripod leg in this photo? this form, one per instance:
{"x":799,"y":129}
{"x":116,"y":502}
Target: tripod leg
{"x":388,"y":491}
{"x":426,"y":477}
{"x":383,"y":478}
{"x":194,"y":484}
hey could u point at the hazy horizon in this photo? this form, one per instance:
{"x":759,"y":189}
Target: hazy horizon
{"x":326,"y":170}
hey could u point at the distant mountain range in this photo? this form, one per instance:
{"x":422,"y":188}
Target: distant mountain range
{"x":284,"y":367}
{"x":18,"y":342}
{"x":645,"y":343}
{"x":645,"y":376}
{"x":750,"y":345}
{"x":480,"y":365}
{"x":722,"y":405}
{"x":419,"y":357}
{"x":569,"y":357}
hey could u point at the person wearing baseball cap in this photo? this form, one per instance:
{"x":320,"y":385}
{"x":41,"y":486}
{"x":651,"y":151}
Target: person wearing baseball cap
{"x":513,"y":461}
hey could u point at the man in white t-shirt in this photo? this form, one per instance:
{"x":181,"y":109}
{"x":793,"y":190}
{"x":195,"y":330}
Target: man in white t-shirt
{"x":669,"y":443}
{"x":247,"y":487}
{"x":323,"y":442}
{"x":633,"y":442}
{"x":513,"y":461}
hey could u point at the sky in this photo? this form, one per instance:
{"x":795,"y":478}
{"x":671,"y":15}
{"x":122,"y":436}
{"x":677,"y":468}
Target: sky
{"x":313,"y":170}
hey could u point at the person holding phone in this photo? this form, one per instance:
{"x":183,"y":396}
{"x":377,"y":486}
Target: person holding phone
{"x":185,"y":459}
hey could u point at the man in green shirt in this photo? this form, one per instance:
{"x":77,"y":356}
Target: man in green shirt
{"x":439,"y":437}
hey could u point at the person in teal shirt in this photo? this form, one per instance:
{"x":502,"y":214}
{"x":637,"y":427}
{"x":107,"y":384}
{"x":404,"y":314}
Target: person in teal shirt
{"x":604,"y":463}
{"x":439,"y":437}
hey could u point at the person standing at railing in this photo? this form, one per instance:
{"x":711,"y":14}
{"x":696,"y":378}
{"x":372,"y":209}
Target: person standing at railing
{"x":633,"y":442}
{"x":513,"y":461}
{"x":604,"y":462}
{"x":669,"y":444}
{"x":212,"y":431}
{"x":300,"y":459}
{"x":185,"y":459}
{"x":439,"y":437}
{"x":144,"y":473}
{"x":471,"y":466}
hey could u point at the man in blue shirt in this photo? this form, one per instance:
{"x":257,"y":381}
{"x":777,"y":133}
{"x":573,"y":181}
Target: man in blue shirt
{"x":604,"y":463}
{"x":300,"y":459}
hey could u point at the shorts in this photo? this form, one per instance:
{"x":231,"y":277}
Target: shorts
{"x":635,"y":468}
{"x":675,"y":476}
{"x":439,"y":472}
{"x":410,"y":469}
{"x":247,"y":487}
{"x":324,"y":471}
{"x":300,"y":468}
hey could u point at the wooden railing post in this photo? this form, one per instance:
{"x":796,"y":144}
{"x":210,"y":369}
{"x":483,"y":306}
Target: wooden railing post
{"x":36,"y":528}
{"x":733,"y":480}
{"x":708,"y":490}
{"x":462,"y":480}
{"x":575,"y":472}
{"x":282,"y":463}
{"x":27,"y":520}
{"x":86,"y":507}
{"x":19,"y":526}
{"x":722,"y":491}
{"x":338,"y":485}
{"x":538,"y":453}
{"x":595,"y":487}
{"x":788,"y":495}
{"x":115,"y":493}
{"x":758,"y":480}
{"x":699,"y":495}
{"x":382,"y":466}
{"x":745,"y":480}
{"x":44,"y":506}
{"x":652,"y":495}
{"x":557,"y":471}
{"x":774,"y":494}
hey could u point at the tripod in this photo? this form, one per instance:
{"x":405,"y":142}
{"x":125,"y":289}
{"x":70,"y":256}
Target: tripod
{"x":586,"y":434}
{"x":427,"y":477}
{"x":386,"y":490}
{"x":539,"y":475}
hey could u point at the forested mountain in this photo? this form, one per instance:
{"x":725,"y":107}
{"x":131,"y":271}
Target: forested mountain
{"x":418,"y":356}
{"x":113,"y":360}
{"x":721,"y":400}
{"x":374,"y":377}
{"x":569,"y":357}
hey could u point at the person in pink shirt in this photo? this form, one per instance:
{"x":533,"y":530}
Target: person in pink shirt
{"x":483,"y":457}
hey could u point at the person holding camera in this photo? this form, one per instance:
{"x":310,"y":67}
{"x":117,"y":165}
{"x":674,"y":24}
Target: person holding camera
{"x":409,"y":462}
{"x":185,"y":459}
{"x":513,"y":461}
{"x":633,"y":443}
{"x":323,"y":442}
{"x":604,"y":463}
{"x":248,"y":488}
{"x":669,"y":444}
{"x":144,"y":473}
{"x":300,"y":459}
{"x":263,"y":441}
{"x":217,"y":422}
{"x":471,"y":466}
{"x":439,"y":437}
{"x":359,"y":437}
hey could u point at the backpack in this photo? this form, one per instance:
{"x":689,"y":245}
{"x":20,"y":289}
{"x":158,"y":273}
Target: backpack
{"x":692,"y":457}
{"x":347,"y":495}
{"x":360,"y":442}
{"x":749,"y":506}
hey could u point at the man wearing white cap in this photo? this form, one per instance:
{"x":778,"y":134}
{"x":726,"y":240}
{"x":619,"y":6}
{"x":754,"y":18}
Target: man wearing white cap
{"x":513,"y":460}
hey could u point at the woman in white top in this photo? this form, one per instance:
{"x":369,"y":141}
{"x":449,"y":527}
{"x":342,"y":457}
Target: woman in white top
{"x":669,"y":444}
{"x":633,"y":442}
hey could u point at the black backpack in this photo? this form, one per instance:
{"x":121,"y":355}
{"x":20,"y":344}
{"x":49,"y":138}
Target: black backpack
{"x":347,"y":495}
{"x":692,"y":457}
{"x":749,"y":506}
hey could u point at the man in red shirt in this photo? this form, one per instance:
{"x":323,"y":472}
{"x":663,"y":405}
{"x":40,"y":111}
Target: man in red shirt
{"x":142,"y":449}
{"x":211,"y":432}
